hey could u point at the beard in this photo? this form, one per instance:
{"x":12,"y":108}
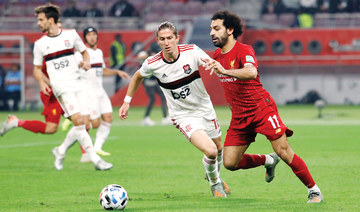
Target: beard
{"x":221,"y":41}
{"x":92,"y":45}
{"x":43,"y":29}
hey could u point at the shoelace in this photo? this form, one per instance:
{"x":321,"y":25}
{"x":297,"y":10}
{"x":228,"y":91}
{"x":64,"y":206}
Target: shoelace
{"x":312,"y":194}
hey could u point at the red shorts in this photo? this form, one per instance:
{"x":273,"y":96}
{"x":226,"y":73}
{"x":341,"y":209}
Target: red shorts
{"x":242,"y":131}
{"x":52,"y":109}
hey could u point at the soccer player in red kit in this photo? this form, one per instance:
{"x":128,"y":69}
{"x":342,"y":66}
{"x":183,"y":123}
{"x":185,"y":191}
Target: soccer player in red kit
{"x":253,"y":109}
{"x":52,"y":113}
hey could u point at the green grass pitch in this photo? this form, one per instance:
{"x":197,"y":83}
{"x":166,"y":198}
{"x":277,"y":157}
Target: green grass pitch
{"x":162,"y":171}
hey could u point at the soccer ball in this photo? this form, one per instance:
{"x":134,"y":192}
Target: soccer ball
{"x":113,"y":197}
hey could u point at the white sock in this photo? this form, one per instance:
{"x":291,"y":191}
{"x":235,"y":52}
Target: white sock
{"x":268,"y":160}
{"x":211,"y":168}
{"x":315,"y":188}
{"x":85,"y":141}
{"x":102,"y":134}
{"x":220,"y":160}
{"x":70,"y":139}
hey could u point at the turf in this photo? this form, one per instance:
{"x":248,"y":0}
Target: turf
{"x":163,"y":172}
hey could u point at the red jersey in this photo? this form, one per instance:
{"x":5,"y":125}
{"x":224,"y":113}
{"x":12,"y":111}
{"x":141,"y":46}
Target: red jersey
{"x":245,"y":97}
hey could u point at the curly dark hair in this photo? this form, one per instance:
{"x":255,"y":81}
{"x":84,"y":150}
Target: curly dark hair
{"x":50,"y":11}
{"x":231,"y":21}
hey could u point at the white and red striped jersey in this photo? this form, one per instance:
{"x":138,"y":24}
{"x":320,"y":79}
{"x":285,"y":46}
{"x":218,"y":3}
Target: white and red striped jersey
{"x":95,"y":74}
{"x":180,"y":82}
{"x":93,"y":78}
{"x":58,"y":53}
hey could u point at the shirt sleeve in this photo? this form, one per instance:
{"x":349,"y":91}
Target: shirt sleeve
{"x":38,"y":56}
{"x":199,"y":53}
{"x":78,"y":43}
{"x":247,"y":56}
{"x":145,"y":70}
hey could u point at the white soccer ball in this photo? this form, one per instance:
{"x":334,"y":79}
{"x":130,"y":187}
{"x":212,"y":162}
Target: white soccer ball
{"x":113,"y":197}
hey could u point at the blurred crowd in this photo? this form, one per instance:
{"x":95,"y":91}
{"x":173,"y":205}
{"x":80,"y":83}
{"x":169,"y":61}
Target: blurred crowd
{"x":310,"y":6}
{"x":311,"y":13}
{"x":121,"y":8}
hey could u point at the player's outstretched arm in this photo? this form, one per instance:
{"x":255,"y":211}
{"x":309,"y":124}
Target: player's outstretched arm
{"x":112,"y":72}
{"x":213,"y":66}
{"x":134,"y":84}
{"x":248,"y":72}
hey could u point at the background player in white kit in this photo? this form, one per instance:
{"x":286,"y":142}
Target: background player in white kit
{"x":57,"y":48}
{"x":190,"y":107}
{"x":98,"y":100}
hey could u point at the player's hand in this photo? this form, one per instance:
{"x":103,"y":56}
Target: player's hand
{"x":85,"y":65}
{"x":124,"y":111}
{"x":45,"y":88}
{"x":213,"y":66}
{"x":123,"y":74}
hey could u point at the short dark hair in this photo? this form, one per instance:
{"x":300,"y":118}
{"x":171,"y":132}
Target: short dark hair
{"x":167,"y":25}
{"x":50,"y":11}
{"x":231,"y":21}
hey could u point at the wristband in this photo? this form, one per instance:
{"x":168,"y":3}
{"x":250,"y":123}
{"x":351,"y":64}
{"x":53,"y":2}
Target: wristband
{"x":127,"y":99}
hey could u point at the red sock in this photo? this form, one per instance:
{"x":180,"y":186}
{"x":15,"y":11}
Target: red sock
{"x":33,"y":125}
{"x":301,"y":171}
{"x":250,"y":161}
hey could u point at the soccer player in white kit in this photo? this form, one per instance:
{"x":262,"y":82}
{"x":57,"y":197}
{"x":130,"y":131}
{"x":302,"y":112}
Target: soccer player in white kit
{"x":98,"y":100}
{"x":190,"y":107}
{"x":57,"y":48}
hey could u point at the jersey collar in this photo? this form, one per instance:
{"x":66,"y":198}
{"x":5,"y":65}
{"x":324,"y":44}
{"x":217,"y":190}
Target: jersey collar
{"x":60,"y":31}
{"x":163,"y":58}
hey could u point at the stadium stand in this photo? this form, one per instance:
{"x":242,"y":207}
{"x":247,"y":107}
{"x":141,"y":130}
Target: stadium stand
{"x":193,"y":19}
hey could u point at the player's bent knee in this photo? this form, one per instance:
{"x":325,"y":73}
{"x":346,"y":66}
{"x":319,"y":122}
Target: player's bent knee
{"x":211,"y":152}
{"x":108,"y":119}
{"x":51,"y":129}
{"x":230,"y":165}
{"x":78,"y":121}
{"x":285,"y":155}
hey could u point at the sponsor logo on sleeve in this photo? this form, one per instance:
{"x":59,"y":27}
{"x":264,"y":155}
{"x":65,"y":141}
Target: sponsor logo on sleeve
{"x":249,"y":59}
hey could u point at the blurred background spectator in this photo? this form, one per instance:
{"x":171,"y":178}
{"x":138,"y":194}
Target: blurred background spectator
{"x":291,"y":6}
{"x":93,"y":11}
{"x":2,"y":88}
{"x":123,"y":8}
{"x":273,"y":7}
{"x":117,"y":58}
{"x":308,"y":6}
{"x":13,"y":88}
{"x":71,"y":10}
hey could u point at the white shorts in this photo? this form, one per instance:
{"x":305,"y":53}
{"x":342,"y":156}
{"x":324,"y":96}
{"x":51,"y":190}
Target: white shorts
{"x":99,"y":105}
{"x":188,"y":126}
{"x":74,"y":102}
